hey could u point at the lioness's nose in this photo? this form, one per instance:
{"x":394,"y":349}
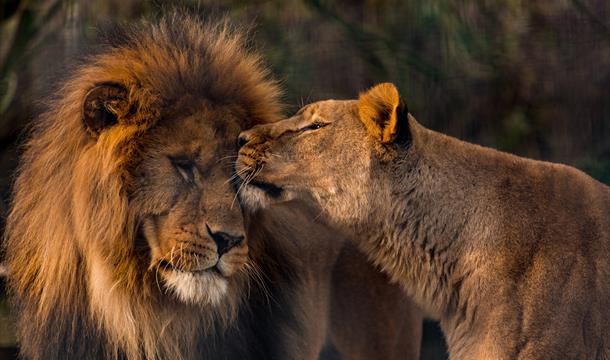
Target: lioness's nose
{"x":244,"y":138}
{"x":224,"y":242}
{"x":241,"y":141}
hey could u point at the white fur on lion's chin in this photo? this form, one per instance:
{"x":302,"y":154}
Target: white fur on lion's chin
{"x":197,"y":288}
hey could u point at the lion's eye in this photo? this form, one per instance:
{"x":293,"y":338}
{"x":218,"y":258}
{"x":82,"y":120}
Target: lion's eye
{"x":314,"y":126}
{"x":185,"y":168}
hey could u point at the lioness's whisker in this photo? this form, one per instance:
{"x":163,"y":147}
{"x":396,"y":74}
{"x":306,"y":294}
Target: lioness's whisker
{"x":232,"y":157}
{"x":236,"y":175}
{"x":239,"y":188}
{"x":249,"y":178}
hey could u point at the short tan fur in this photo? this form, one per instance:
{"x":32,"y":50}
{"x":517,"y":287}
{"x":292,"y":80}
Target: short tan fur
{"x":512,"y":255}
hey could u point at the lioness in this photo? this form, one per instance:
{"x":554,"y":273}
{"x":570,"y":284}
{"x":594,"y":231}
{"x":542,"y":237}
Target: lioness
{"x":511,"y":254}
{"x":125,"y":241}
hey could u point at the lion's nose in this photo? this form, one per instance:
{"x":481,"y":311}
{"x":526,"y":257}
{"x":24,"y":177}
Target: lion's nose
{"x":224,"y":242}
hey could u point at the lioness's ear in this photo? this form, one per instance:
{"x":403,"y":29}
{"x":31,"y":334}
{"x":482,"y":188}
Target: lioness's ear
{"x":103,"y":106}
{"x":379,"y":109}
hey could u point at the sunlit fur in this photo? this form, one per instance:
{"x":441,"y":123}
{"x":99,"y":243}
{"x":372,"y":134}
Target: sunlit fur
{"x":512,"y":255}
{"x":81,"y":282}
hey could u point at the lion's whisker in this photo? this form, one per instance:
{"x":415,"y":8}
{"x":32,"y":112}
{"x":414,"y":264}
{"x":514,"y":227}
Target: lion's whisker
{"x":114,"y":285}
{"x":171,"y":255}
{"x":181,"y":258}
{"x":157,"y":275}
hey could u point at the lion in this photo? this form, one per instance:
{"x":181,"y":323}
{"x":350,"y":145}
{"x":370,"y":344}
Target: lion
{"x":510,"y":254}
{"x":125,"y":239}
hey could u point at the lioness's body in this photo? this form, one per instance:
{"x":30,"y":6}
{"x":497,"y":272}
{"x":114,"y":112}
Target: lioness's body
{"x":511,"y":254}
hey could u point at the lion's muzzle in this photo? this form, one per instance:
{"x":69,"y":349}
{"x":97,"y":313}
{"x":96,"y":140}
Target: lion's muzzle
{"x":213,"y":251}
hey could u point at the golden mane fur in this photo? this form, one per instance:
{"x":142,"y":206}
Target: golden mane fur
{"x":70,"y":210}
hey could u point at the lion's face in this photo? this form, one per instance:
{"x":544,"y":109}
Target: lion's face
{"x":124,"y":238}
{"x":189,"y":227}
{"x":328,"y":151}
{"x":186,"y":205}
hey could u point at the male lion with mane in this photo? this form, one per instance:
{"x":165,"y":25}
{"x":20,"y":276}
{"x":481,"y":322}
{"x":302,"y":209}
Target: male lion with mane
{"x":511,"y":254}
{"x":125,"y":240}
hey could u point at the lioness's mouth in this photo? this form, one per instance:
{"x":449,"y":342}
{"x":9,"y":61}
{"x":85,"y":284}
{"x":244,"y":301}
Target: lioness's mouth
{"x":270,"y":189}
{"x":249,"y":168}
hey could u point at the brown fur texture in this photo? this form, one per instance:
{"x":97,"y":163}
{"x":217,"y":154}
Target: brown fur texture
{"x":511,"y":254}
{"x":123,"y":201}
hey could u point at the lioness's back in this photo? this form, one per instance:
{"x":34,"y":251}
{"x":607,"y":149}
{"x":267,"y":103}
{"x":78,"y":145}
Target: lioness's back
{"x":542,"y":235}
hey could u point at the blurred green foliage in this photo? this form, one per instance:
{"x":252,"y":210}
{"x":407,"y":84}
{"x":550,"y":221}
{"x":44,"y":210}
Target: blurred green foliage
{"x":597,"y":166}
{"x":7,"y":329}
{"x":27,"y":19}
{"x":513,"y":74}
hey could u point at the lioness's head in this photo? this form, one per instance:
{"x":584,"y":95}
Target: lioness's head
{"x":326,"y":151}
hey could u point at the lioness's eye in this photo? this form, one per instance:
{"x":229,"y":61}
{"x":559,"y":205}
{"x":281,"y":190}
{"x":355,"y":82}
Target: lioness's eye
{"x":314,"y":126}
{"x":185,"y":168}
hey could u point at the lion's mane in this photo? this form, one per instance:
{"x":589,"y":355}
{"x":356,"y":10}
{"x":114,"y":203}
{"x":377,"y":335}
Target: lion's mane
{"x":71,"y":216}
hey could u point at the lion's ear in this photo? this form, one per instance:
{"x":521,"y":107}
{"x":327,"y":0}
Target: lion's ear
{"x":382,"y":112}
{"x":104,"y":105}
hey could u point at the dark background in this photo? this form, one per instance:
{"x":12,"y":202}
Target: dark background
{"x":525,"y":76}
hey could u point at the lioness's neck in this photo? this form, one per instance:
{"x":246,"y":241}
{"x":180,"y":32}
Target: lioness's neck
{"x":427,"y":225}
